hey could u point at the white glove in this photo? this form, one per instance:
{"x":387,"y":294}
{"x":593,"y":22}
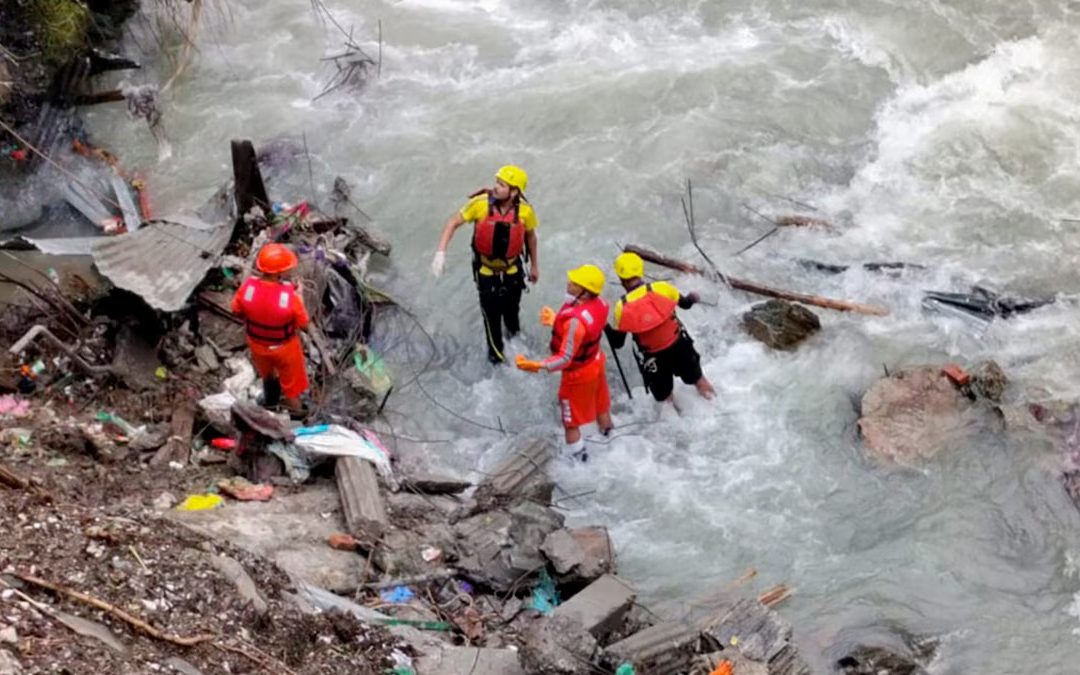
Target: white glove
{"x":438,"y":263}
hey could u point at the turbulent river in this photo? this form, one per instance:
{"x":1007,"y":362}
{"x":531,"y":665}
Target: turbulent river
{"x":940,"y":133}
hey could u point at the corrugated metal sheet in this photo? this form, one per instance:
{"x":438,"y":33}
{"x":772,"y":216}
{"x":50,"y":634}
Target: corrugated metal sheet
{"x":163,"y":261}
{"x":64,"y":245}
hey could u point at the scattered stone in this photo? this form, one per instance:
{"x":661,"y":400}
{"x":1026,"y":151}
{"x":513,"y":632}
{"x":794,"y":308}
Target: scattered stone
{"x":207,"y":359}
{"x":581,"y":554}
{"x":8,"y":635}
{"x":988,"y":381}
{"x":183,"y":667}
{"x":151,"y":438}
{"x":401,"y":552}
{"x":164,"y":501}
{"x":914,"y":414}
{"x":780,"y":324}
{"x":91,"y":629}
{"x":9,"y":665}
{"x":245,"y":586}
{"x":558,"y":645}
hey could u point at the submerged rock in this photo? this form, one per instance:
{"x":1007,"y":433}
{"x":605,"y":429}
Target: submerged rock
{"x":988,"y":381}
{"x":874,"y":660}
{"x":916,"y":413}
{"x":781,"y":325}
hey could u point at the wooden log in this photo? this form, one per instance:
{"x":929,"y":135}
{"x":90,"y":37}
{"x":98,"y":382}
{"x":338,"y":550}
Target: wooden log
{"x":802,"y":221}
{"x":756,"y":288}
{"x":110,"y":96}
{"x":248,"y":189}
{"x":358,"y":488}
{"x":178,"y":447}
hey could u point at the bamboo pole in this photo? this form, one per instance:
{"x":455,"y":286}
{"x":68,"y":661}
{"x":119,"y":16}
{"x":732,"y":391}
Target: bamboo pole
{"x":756,"y":288}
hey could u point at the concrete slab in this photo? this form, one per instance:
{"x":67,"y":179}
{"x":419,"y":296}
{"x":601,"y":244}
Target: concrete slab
{"x":470,"y":660}
{"x":600,"y":606}
{"x":289,"y":529}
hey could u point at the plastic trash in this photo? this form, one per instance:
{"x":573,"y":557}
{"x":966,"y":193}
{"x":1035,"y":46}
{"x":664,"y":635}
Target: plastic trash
{"x":201,"y":502}
{"x":161,"y":373}
{"x":243,"y":490}
{"x":369,"y":364}
{"x":338,"y":441}
{"x":545,"y":596}
{"x":119,"y":422}
{"x":14,"y":406}
{"x":626,"y":669}
{"x":397,"y":595}
{"x":224,"y":443}
{"x":722,"y":668}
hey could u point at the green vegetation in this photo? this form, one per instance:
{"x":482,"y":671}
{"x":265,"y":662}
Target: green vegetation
{"x":61,"y":27}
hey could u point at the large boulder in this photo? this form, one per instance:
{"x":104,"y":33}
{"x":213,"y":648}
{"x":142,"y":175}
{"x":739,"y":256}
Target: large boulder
{"x":908,"y":657}
{"x":781,"y":325}
{"x":914,"y":414}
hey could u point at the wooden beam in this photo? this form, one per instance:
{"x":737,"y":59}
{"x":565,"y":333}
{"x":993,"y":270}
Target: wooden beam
{"x":756,"y":288}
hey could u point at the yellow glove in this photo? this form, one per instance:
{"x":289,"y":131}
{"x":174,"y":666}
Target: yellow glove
{"x":527,"y":365}
{"x":547,"y":316}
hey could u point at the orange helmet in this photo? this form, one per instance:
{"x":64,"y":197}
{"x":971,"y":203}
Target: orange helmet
{"x":275,"y":259}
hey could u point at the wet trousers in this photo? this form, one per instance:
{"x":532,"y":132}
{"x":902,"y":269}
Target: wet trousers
{"x":500,"y":303}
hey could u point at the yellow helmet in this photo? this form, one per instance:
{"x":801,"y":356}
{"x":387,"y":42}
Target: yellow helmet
{"x":589,"y":277}
{"x":514,"y":176}
{"x":629,"y":266}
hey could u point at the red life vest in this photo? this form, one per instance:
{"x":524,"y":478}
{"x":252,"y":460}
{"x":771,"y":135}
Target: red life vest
{"x":593,"y":315}
{"x":268,"y":310}
{"x":651,"y":319}
{"x":499,"y":236}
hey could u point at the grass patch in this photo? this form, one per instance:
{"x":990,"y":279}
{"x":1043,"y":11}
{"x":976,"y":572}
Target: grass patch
{"x":61,"y":28}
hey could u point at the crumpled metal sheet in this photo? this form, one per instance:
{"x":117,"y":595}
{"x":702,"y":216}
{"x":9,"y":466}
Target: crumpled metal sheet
{"x":55,"y":245}
{"x":165,"y":260}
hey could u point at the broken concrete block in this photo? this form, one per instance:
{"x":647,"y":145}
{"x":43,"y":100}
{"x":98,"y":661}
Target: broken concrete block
{"x":664,"y":648}
{"x":469,"y":660}
{"x":511,"y":477}
{"x":558,"y":645}
{"x":358,"y":487}
{"x":759,"y":634}
{"x":581,"y":554}
{"x":432,"y":484}
{"x":601,"y":606}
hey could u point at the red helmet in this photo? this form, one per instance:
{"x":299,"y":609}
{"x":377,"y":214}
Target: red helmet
{"x":275,"y":259}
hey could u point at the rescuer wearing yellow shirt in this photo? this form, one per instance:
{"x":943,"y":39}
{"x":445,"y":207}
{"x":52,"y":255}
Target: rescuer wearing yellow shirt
{"x":504,"y":230}
{"x":647,"y":312}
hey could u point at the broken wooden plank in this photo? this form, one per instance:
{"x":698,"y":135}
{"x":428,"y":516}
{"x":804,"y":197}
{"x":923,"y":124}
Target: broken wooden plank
{"x":759,"y":634}
{"x":361,"y":502}
{"x":178,"y":447}
{"x":601,"y":606}
{"x":756,"y":288}
{"x":517,"y":471}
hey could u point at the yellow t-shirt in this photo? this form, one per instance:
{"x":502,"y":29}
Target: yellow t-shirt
{"x":659,"y":287}
{"x":477,"y":209}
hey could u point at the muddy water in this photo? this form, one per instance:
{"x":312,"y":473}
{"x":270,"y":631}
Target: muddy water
{"x":944,"y":134}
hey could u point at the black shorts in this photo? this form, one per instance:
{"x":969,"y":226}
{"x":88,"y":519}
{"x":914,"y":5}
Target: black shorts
{"x":659,"y":370}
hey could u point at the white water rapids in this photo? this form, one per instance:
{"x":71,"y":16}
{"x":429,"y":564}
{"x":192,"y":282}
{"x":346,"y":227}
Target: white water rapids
{"x":946,"y":134}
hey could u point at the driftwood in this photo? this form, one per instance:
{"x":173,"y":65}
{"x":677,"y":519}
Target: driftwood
{"x":758,"y":289}
{"x":178,"y":447}
{"x":116,"y":612}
